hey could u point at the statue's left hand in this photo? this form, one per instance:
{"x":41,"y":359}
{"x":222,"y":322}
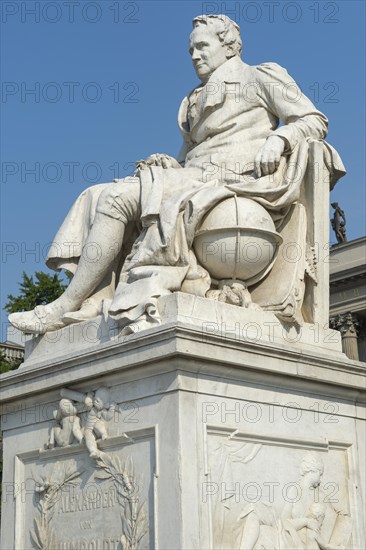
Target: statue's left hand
{"x":158,"y":159}
{"x":269,"y":155}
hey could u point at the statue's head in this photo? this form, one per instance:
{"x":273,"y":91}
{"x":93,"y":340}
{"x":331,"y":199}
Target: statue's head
{"x":312,"y":468}
{"x":214,"y":39}
{"x":101,"y":399}
{"x":317,"y":511}
{"x":67,"y":408}
{"x":334,"y":204}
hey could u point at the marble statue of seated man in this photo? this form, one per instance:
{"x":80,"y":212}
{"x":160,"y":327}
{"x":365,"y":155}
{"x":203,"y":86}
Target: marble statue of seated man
{"x":143,"y":226}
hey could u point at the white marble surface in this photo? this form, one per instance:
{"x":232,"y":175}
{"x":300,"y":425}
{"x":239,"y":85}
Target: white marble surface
{"x":198,"y":412}
{"x":206,"y":317}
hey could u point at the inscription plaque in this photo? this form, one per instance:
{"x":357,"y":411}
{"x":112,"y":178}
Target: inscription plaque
{"x":70,"y":501}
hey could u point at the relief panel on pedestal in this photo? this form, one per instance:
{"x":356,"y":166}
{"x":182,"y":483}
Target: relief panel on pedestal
{"x":87,"y":490}
{"x":269,"y":493}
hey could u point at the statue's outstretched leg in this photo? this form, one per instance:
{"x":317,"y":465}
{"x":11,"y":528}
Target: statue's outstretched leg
{"x":91,"y":443}
{"x":117,"y":205}
{"x":91,"y":307}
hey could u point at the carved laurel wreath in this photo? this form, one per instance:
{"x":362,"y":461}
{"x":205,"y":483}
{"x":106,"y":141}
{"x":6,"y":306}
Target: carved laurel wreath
{"x":133,"y":515}
{"x":43,"y":535}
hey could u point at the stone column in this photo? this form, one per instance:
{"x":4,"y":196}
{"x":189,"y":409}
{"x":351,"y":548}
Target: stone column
{"x":362,"y":339}
{"x":347,"y":324}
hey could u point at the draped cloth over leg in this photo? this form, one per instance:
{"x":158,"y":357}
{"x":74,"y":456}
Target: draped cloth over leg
{"x":171,"y":206}
{"x":161,"y":259}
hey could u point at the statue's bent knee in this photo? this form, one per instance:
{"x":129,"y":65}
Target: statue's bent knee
{"x":121,"y":200}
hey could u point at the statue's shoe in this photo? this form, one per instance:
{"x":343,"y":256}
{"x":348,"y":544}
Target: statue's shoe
{"x":40,"y":320}
{"x":87,"y":311}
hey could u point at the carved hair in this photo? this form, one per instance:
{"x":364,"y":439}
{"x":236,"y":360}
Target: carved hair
{"x":311,"y":463}
{"x":226,"y":29}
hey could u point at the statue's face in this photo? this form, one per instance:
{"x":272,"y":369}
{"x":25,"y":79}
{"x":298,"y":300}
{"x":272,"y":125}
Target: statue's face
{"x":207,"y":52}
{"x":67,"y":408}
{"x":313,"y":478}
{"x":98,"y":403}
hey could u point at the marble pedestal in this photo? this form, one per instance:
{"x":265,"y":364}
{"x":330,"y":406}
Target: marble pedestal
{"x":220,"y":412}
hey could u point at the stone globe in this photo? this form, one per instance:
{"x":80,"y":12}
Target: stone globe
{"x":237,"y":240}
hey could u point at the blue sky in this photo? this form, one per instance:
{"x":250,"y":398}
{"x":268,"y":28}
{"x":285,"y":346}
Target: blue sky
{"x":108,"y":78}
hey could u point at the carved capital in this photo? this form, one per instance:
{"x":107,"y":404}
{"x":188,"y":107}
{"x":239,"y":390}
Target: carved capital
{"x":347,"y":323}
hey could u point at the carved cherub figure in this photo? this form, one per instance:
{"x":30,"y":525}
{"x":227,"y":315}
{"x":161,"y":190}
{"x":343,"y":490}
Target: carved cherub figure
{"x":68,"y":428}
{"x":99,"y":409}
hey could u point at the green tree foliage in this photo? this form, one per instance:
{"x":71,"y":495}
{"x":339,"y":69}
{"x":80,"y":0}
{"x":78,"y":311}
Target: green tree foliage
{"x":41,"y":289}
{"x":6,"y":366}
{"x":35,"y":292}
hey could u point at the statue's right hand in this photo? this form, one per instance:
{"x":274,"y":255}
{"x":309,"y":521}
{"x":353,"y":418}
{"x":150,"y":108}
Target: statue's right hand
{"x":268,"y":157}
{"x":158,"y":159}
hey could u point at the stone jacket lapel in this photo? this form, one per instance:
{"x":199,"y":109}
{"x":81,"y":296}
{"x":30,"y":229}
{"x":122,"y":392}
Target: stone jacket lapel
{"x":212,"y":94}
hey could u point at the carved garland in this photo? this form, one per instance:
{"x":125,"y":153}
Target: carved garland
{"x":133,"y":516}
{"x":43,"y":535}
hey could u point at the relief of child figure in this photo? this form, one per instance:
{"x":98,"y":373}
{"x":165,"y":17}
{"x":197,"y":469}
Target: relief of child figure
{"x":316,"y":516}
{"x":314,"y":540}
{"x":309,"y":529}
{"x":100,"y":409}
{"x":68,"y":428}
